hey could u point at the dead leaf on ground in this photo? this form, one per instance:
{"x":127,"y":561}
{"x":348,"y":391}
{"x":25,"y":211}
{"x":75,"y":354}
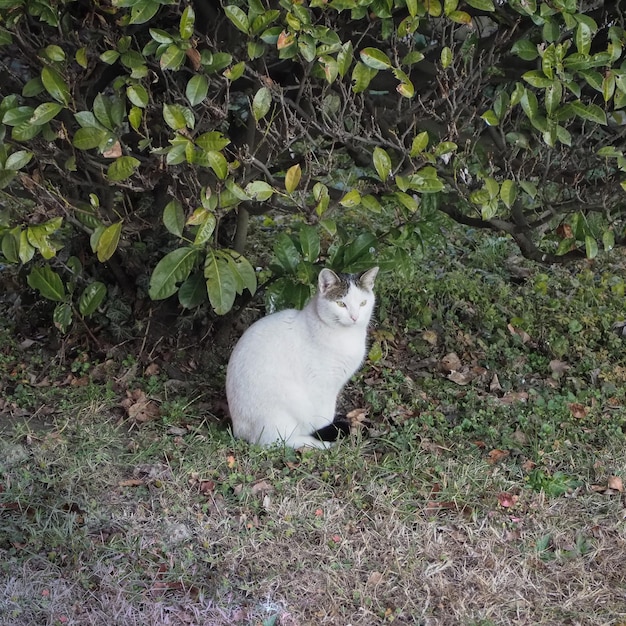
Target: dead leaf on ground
{"x":558,"y":368}
{"x":451,"y":362}
{"x":578,"y":410}
{"x":528,"y":465}
{"x":616,"y":483}
{"x":431,"y":337}
{"x":356,"y":417}
{"x":466,"y":374}
{"x":152,"y":370}
{"x":131,"y":482}
{"x":496,"y":456}
{"x":522,"y":334}
{"x":507,"y":500}
{"x":374,"y":579}
{"x":262,"y":486}
{"x":113,"y":152}
{"x":511,"y":397}
{"x":494,"y":385}
{"x":139,"y":407}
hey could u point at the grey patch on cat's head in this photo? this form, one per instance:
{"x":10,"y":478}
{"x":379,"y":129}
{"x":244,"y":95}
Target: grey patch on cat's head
{"x":335,"y":286}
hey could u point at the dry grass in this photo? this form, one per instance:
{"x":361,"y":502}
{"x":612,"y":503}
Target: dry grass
{"x":206,"y":531}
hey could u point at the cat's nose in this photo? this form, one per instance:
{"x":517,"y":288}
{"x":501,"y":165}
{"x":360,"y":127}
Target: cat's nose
{"x":354,"y":316}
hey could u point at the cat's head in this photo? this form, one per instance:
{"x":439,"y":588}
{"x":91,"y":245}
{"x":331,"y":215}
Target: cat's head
{"x":346,"y":299}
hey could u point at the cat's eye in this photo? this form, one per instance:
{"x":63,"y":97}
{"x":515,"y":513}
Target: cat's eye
{"x":341,"y":304}
{"x":364,"y":303}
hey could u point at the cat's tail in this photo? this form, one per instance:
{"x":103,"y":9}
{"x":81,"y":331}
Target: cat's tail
{"x":336,"y":430}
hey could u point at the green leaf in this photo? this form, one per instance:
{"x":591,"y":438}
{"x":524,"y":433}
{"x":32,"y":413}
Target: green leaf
{"x":197,"y":89}
{"x":187,"y":21}
{"x":591,"y":247}
{"x":310,"y":243}
{"x":351,"y":199}
{"x":261,"y":103}
{"x":508,"y":192}
{"x":91,"y":298}
{"x":525,"y":50}
{"x":344,"y":58}
{"x":461,"y":17}
{"x":81,"y":57}
{"x":17,"y":160}
{"x":110,"y":56}
{"x":218,"y":163}
{"x":172,"y":58}
{"x":375,"y":58}
{"x":221,"y":283}
{"x":446,"y":57}
{"x":382,"y":163}
{"x":44,"y":113}
{"x":55,"y":85}
{"x":608,"y":240}
{"x":537,"y":78}
{"x":260,"y":190}
{"x":33,"y":87}
{"x":286,"y":253}
{"x":174,"y":218}
{"x":10,"y":246}
{"x":212,"y":140}
{"x":361,"y":77}
{"x":553,"y":96}
{"x":238,"y":18}
{"x":53,"y":53}
{"x":359,"y":249}
{"x":62,"y":316}
{"x":192,"y":292}
{"x":122,"y":168}
{"x":242,"y":271}
{"x":26,"y":250}
{"x":236,"y":71}
{"x":88,"y":138}
{"x":419,"y":144}
{"x":529,"y":103}
{"x":178,"y":117}
{"x":584,"y":36}
{"x":292,"y":178}
{"x":591,"y":112}
{"x":138,"y":95}
{"x":47,"y":282}
{"x":143,"y":11}
{"x":482,"y":5}
{"x":172,"y":269}
{"x":491,"y":119}
{"x":207,"y":228}
{"x":107,"y":243}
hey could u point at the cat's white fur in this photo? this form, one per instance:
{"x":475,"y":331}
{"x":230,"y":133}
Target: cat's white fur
{"x":288,"y":368}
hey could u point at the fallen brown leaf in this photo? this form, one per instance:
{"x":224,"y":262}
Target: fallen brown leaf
{"x":431,"y":337}
{"x":522,"y":334}
{"x":507,"y":500}
{"x":131,"y":482}
{"x":494,"y":385}
{"x":558,"y":368}
{"x":578,"y":410}
{"x":451,"y":362}
{"x":495,"y":456}
{"x":616,"y":483}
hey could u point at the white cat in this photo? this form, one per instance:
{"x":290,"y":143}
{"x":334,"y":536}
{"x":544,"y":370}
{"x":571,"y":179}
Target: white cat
{"x":288,"y":368}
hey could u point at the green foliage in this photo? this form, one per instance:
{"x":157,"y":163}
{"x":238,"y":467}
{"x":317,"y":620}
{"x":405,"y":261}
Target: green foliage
{"x":337,"y":121}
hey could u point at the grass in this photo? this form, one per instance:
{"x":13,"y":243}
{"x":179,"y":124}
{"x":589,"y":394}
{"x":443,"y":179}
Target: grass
{"x":459,"y":502}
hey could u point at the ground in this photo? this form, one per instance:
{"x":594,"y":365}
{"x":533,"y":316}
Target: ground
{"x":482,"y":484}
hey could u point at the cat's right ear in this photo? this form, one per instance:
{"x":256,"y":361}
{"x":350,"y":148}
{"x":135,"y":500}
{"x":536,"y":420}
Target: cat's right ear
{"x":326,"y":280}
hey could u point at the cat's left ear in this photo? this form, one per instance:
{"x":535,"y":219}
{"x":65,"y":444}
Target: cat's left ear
{"x":366,"y":278}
